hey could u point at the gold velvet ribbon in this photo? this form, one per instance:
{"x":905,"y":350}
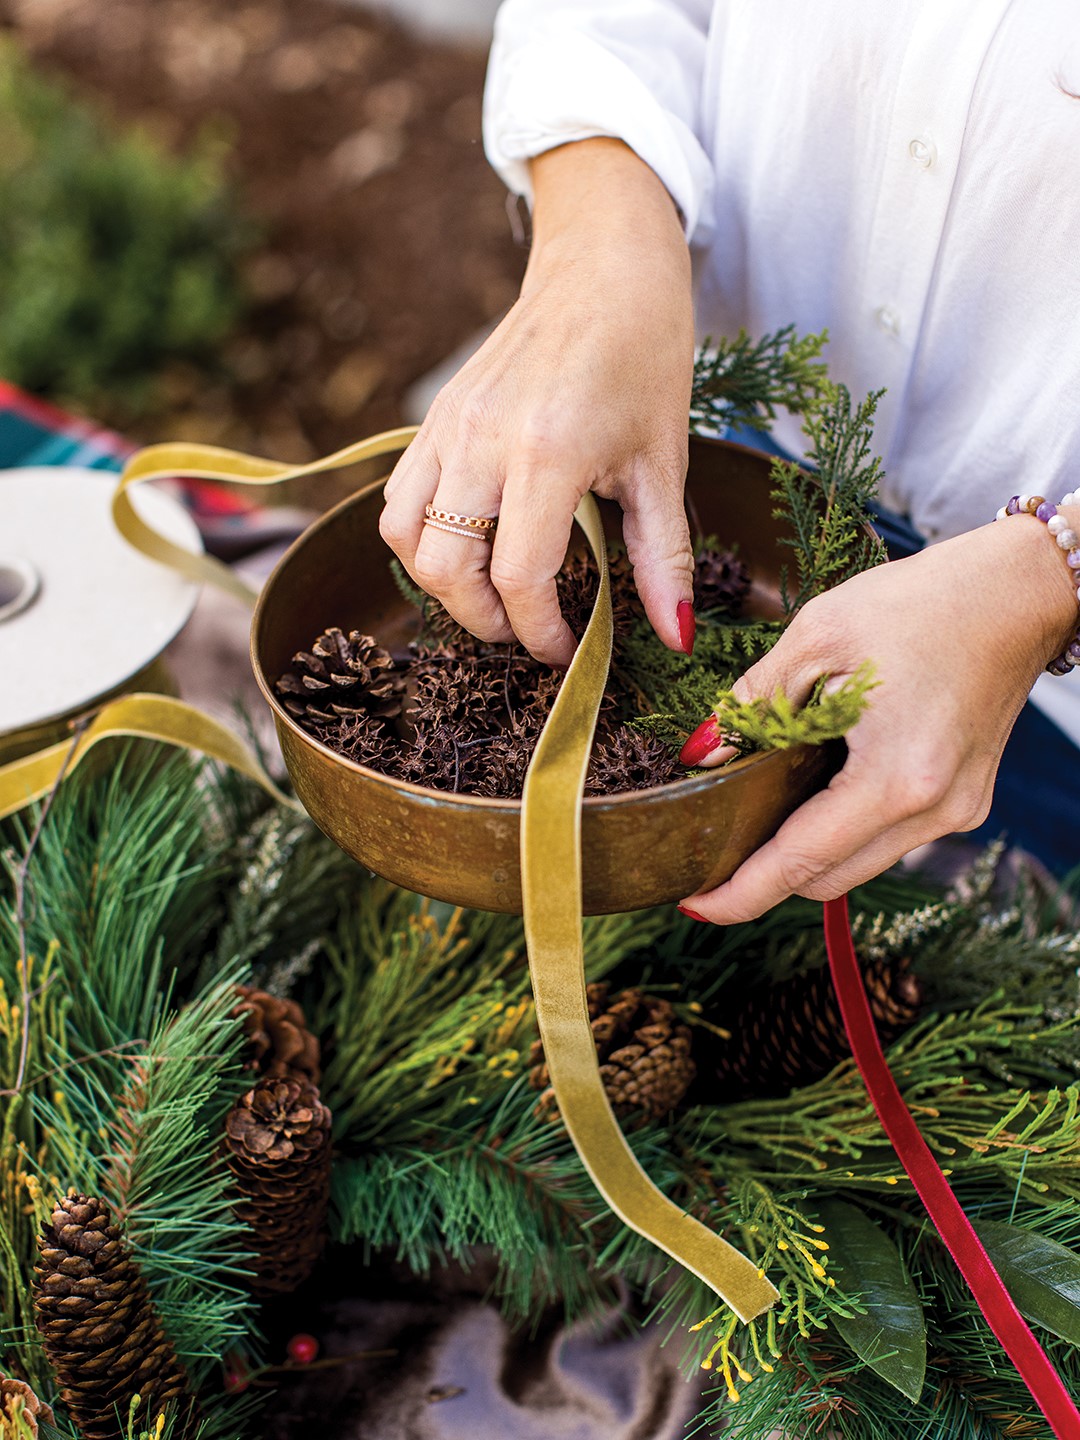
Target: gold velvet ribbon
{"x":551,"y":890}
{"x":550,"y":846}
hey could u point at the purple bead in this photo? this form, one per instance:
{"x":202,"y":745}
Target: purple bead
{"x":1046,"y":511}
{"x":1058,"y":667}
{"x":1013,"y":507}
{"x":1072,"y":559}
{"x":1074,"y":650}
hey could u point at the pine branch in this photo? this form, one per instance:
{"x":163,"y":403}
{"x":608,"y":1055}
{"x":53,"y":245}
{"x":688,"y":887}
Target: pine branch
{"x":827,"y":506}
{"x":744,"y":382}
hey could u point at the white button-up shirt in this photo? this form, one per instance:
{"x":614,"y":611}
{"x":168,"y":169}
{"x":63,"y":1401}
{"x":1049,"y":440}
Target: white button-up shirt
{"x":904,"y":174}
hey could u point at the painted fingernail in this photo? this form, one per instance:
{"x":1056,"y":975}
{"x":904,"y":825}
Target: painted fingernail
{"x":705,"y":739}
{"x":687,"y":626}
{"x":691,"y":914}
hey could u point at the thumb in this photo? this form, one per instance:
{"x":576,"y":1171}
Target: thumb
{"x":785,"y":668}
{"x":657,"y":539}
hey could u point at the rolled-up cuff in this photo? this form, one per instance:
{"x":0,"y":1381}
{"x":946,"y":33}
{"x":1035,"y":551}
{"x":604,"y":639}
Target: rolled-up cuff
{"x":551,"y":91}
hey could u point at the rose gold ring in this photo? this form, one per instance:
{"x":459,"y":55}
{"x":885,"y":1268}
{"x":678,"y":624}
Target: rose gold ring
{"x":474,"y":527}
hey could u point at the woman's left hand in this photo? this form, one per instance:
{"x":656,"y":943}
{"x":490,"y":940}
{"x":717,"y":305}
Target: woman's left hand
{"x":958,"y":635}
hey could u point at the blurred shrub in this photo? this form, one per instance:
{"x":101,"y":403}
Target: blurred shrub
{"x":115,"y":255}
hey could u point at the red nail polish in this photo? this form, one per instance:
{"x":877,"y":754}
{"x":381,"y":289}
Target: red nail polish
{"x":685,"y":910}
{"x":687,"y":626}
{"x":705,"y":739}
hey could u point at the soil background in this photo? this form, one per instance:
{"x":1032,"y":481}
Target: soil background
{"x":387,"y":241}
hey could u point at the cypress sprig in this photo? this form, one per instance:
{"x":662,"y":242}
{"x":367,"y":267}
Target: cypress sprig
{"x":826,"y":504}
{"x":742,"y":381}
{"x":776,"y":724}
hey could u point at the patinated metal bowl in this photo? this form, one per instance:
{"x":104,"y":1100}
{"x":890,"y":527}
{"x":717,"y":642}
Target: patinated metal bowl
{"x":641,"y":848}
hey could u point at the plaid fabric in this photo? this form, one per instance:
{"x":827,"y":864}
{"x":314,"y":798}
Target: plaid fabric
{"x":35,"y":433}
{"x":232,"y":525}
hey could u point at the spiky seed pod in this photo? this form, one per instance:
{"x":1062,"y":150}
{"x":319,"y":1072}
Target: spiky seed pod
{"x":721,"y":581}
{"x":340,"y":675}
{"x":467,"y":693}
{"x":277,"y":1140}
{"x":791,"y":1033}
{"x":631,"y":759}
{"x":577,"y":582}
{"x":20,"y":1410}
{"x":278,"y":1039}
{"x":644,"y":1052}
{"x":101,"y":1333}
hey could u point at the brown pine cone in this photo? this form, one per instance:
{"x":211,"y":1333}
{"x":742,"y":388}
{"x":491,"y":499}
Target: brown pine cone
{"x":577,"y":581}
{"x":791,"y":1034}
{"x":721,"y":581}
{"x":18,"y":1400}
{"x":277,"y":1140}
{"x":279,"y":1042}
{"x":643,"y":1049}
{"x":101,"y":1332}
{"x":340,"y":676}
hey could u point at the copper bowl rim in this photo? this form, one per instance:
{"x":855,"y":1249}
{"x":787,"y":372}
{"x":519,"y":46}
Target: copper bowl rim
{"x":591,"y":802}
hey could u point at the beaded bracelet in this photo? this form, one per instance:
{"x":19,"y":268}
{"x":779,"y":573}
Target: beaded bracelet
{"x":1068,"y":541}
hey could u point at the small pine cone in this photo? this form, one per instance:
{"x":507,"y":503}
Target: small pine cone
{"x":791,"y":1034}
{"x":279,"y":1042}
{"x":631,"y":759}
{"x":101,"y":1333}
{"x":340,"y":676}
{"x":277,"y":1140}
{"x":18,"y":1400}
{"x":721,"y":581}
{"x":644,"y":1052}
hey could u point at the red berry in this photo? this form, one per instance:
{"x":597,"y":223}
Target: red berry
{"x":302,"y":1349}
{"x":236,"y":1379}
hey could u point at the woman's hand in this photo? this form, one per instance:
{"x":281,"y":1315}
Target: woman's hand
{"x":958,"y":635}
{"x":585,"y":385}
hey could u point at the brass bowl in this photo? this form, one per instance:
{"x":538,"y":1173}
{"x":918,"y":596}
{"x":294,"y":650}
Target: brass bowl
{"x":642,"y":848}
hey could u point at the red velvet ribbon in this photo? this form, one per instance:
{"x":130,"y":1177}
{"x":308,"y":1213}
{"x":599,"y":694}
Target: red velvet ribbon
{"x":933,"y":1189}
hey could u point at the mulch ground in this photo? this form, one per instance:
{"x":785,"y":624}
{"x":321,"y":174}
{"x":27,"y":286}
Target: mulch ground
{"x":357,"y":146}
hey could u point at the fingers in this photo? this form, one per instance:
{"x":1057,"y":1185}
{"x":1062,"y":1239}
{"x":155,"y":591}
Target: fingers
{"x":785,"y":668}
{"x":411,"y":486}
{"x":658,"y":543}
{"x":837,"y":839}
{"x":530,"y":546}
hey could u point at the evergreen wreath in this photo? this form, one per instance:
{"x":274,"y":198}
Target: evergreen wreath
{"x":149,"y":893}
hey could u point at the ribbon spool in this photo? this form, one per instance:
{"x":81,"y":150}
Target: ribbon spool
{"x":83,"y":616}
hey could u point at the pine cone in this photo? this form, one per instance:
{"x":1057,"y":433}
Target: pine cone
{"x":18,"y":1400}
{"x":643,"y":1049}
{"x":791,"y":1034}
{"x":340,"y":677}
{"x":721,"y":581}
{"x":101,"y":1332}
{"x":279,"y":1042}
{"x":631,"y":759}
{"x":277,"y":1140}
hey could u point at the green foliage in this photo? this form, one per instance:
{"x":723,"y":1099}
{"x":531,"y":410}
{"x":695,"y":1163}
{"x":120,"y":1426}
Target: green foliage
{"x":1042,"y":1276}
{"x":744,"y":381}
{"x":889,"y":1331}
{"x":775,"y":724}
{"x":115,"y":256}
{"x":826,"y":506}
{"x":125,"y":1087}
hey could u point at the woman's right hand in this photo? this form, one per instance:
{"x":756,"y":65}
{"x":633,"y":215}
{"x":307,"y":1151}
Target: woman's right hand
{"x":585,"y":385}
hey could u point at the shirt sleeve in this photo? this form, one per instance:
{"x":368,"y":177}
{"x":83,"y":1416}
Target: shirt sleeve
{"x":564,"y":70}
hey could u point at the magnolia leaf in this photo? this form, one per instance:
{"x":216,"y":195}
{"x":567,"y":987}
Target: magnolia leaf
{"x":1042,"y":1276}
{"x":891,"y":1336}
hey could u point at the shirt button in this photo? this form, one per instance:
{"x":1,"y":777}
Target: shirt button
{"x":887,"y":319}
{"x":923,"y":152}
